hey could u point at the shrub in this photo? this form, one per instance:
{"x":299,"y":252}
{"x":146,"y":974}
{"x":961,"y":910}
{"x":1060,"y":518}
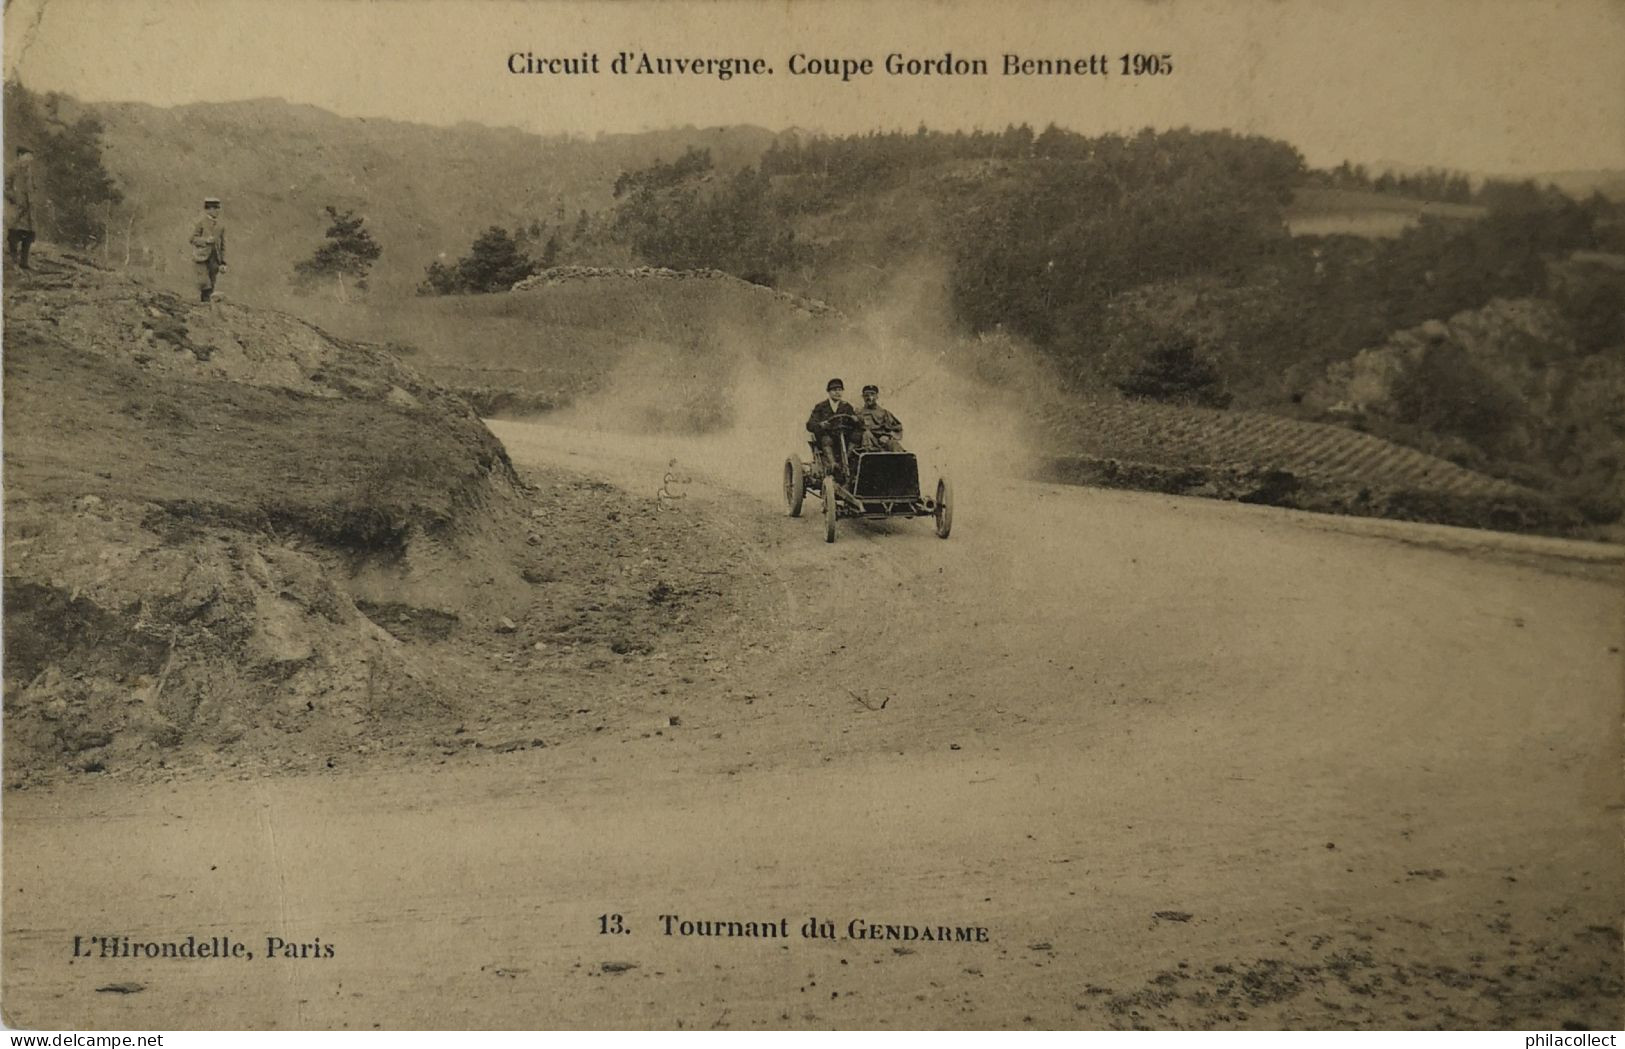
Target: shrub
{"x":495,"y":262}
{"x":1172,"y":372}
{"x":348,"y":253}
{"x":1446,"y":391}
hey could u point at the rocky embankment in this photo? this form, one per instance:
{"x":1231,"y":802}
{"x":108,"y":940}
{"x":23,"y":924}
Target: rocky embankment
{"x":232,"y":539}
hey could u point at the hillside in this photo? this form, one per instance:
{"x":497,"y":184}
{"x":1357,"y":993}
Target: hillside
{"x":1098,"y":253}
{"x":683,"y":353}
{"x":563,"y":332}
{"x":234,"y":540}
{"x":674,"y":353}
{"x":427,"y":190}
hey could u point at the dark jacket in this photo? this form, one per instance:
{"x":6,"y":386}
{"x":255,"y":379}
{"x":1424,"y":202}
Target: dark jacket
{"x":20,"y":198}
{"x":821,"y":415}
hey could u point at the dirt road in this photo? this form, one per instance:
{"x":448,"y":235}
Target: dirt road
{"x":1187,"y":764}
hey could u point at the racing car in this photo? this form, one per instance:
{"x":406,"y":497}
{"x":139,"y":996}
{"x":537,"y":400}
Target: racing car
{"x":876,"y":483}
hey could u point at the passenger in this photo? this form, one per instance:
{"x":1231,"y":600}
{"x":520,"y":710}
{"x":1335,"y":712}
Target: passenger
{"x":820,"y":425}
{"x":881,"y":430}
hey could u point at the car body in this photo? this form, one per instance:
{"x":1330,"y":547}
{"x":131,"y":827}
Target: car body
{"x":873,"y":484}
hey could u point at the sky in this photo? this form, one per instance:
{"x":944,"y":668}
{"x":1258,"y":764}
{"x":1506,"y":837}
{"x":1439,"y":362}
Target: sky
{"x":1487,"y":86}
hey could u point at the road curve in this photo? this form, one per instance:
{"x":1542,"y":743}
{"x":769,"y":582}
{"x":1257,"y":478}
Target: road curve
{"x":1187,"y":763}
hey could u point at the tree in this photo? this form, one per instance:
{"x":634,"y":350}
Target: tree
{"x":1446,"y":391}
{"x":1054,"y":142}
{"x":1042,"y":251}
{"x":1173,"y":373}
{"x":494,"y":262}
{"x":440,"y":279}
{"x":76,"y":190}
{"x":349,"y":254}
{"x":680,"y":215}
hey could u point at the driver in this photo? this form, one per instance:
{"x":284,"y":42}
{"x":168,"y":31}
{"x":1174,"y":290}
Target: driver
{"x":881,"y":430}
{"x":825,"y":430}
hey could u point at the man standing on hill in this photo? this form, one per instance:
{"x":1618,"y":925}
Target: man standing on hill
{"x":822,"y":426}
{"x":20,"y":208}
{"x":209,"y":247}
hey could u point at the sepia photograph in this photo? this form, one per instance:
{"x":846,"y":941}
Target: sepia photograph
{"x":833,"y":515}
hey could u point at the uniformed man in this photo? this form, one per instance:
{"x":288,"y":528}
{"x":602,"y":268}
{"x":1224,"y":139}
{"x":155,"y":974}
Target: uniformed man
{"x":881,"y":430}
{"x":20,"y":207}
{"x":209,"y":247}
{"x":821,"y":425}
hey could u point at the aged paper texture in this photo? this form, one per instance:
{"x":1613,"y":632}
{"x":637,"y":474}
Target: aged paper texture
{"x":429,"y":602}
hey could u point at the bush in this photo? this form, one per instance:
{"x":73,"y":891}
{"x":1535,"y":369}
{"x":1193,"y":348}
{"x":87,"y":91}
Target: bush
{"x":348,"y":253}
{"x":76,"y":193}
{"x":1447,"y":392}
{"x":1173,"y":373}
{"x":1592,"y":298}
{"x":494,"y":262}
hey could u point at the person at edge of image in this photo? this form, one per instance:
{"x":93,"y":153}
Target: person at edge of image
{"x":208,"y":242}
{"x":820,"y":425}
{"x":881,"y":429}
{"x":20,"y":208}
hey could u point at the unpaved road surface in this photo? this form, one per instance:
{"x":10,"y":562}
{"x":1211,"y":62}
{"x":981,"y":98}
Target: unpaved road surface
{"x":1189,"y":764}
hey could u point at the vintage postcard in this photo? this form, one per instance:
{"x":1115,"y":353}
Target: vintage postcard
{"x":819,"y":515}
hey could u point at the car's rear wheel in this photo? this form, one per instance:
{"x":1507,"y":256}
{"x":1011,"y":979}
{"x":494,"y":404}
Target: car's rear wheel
{"x":795,"y":485}
{"x":944,"y":513}
{"x":829,"y":511}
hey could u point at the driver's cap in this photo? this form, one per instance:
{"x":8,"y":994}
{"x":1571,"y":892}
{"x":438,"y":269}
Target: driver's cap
{"x":871,"y":389}
{"x":835,"y":384}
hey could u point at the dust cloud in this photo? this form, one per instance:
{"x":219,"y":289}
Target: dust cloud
{"x":733,"y":406}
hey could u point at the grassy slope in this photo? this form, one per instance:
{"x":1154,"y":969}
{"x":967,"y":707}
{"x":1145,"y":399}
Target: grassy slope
{"x":138,"y":425}
{"x":227,"y":450}
{"x":565,"y":339}
{"x":547,"y":345}
{"x":544,"y":346}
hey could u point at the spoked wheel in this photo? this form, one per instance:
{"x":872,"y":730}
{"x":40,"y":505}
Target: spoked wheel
{"x":795,"y":485}
{"x":944,"y":513}
{"x":829,"y":510}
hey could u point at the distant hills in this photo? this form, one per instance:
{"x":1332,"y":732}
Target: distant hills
{"x":424,"y":190}
{"x":429,"y":190}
